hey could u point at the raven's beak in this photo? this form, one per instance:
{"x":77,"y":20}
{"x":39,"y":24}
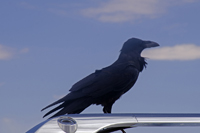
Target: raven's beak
{"x":149,"y":44}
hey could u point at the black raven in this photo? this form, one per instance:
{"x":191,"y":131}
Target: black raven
{"x":105,"y":86}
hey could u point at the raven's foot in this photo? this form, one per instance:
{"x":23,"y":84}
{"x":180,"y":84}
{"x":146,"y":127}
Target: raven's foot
{"x":123,"y":131}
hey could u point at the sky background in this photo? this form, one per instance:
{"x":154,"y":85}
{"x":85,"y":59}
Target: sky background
{"x":47,"y":46}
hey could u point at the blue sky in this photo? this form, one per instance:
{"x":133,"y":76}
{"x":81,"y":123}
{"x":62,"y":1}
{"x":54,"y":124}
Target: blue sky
{"x":47,"y":46}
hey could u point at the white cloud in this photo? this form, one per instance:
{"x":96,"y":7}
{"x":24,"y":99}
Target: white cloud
{"x":177,"y":52}
{"x":8,"y":125}
{"x":24,"y":50}
{"x":124,"y":10}
{"x":7,"y":120}
{"x":129,"y":10}
{"x":7,"y":53}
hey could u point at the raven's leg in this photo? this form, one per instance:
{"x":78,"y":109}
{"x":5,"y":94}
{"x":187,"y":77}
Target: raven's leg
{"x":107,"y":110}
{"x":123,"y":131}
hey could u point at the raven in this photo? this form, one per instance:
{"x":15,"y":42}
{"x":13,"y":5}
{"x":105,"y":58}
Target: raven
{"x":105,"y":86}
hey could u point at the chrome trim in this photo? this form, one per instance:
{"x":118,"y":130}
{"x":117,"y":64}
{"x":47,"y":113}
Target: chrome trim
{"x":94,"y":123}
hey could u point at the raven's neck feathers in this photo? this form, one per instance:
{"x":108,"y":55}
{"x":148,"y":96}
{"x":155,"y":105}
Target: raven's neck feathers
{"x":143,"y":63}
{"x":135,"y":59}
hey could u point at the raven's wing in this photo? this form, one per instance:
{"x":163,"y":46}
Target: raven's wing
{"x":114,"y":78}
{"x":110,"y":79}
{"x":87,"y":81}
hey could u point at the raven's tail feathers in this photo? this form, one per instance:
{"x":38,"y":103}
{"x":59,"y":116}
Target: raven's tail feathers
{"x":69,"y":107}
{"x":51,"y":111}
{"x":56,"y":102}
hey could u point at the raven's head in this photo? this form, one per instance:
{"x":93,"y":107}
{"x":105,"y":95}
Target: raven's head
{"x":137,"y":45}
